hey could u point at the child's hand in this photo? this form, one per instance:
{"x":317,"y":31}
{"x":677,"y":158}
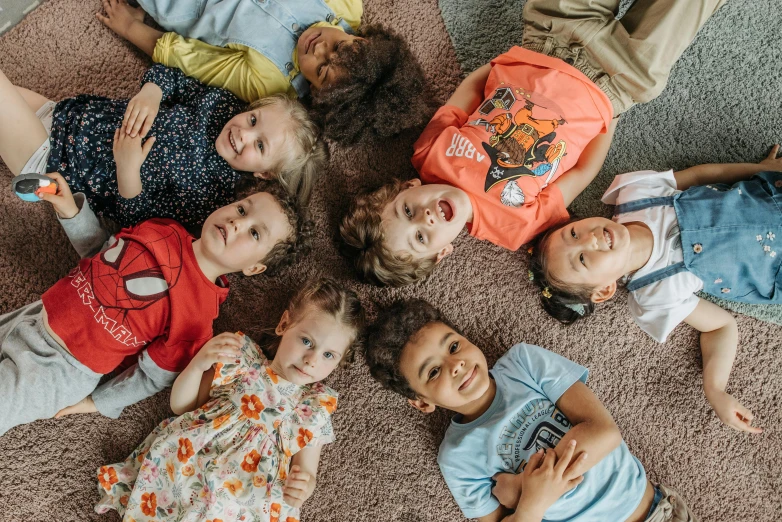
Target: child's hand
{"x":224,"y":348}
{"x":63,"y":201}
{"x":129,"y":153}
{"x":545,"y":479}
{"x":119,"y":16}
{"x":732,"y":412}
{"x":86,"y":405}
{"x":298,"y":487}
{"x":142,"y":111}
{"x":772,"y":162}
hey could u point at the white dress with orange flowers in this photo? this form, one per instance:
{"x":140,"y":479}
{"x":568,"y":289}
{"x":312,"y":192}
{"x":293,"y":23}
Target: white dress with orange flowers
{"x":228,"y":459}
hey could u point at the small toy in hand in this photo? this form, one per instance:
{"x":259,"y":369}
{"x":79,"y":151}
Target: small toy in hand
{"x":30,"y":186}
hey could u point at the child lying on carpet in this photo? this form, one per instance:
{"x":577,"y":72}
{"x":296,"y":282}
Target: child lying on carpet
{"x":710,"y":228}
{"x":522,"y":136}
{"x":250,"y":431}
{"x":199,"y":143}
{"x":149,"y":293}
{"x":532,"y":400}
{"x":364,"y":81}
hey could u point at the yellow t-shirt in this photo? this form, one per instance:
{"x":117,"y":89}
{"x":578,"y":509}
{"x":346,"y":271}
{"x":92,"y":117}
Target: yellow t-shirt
{"x":240,"y":69}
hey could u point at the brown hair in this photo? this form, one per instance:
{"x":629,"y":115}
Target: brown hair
{"x":381,"y":93}
{"x":363,"y":241}
{"x":299,"y":169}
{"x":328,"y":296}
{"x":299,"y":243}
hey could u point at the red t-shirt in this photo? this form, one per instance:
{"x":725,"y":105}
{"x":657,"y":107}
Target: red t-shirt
{"x":538,"y":116}
{"x":146,"y":291}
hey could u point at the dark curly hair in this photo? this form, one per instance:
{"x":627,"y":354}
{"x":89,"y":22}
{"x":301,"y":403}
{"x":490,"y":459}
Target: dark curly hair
{"x":363,"y":241}
{"x":382,"y":92}
{"x":299,"y":244}
{"x":564,"y":302}
{"x":396,"y":326}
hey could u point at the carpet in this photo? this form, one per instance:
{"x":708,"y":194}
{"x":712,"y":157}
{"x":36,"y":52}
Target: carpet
{"x":382,"y":467}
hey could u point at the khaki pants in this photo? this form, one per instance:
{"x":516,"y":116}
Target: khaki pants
{"x":672,"y":508}
{"x":629,"y":59}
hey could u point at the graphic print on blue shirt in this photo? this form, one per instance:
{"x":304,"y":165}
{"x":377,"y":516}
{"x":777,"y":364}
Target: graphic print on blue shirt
{"x":539,"y":425}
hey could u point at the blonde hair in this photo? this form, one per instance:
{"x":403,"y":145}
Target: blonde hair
{"x":363,"y":241}
{"x":300,"y":167}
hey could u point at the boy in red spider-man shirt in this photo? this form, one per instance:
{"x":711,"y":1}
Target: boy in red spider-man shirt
{"x":150,"y":292}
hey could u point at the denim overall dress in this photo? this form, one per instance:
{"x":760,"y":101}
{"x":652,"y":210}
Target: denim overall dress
{"x":271,"y":27}
{"x":731,"y":238}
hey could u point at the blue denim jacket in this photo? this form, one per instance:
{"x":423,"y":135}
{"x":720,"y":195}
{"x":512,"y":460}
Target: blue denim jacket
{"x":271,"y":27}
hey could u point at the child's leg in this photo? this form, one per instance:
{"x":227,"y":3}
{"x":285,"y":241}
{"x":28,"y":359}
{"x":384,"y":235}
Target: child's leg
{"x":21,"y":132}
{"x":34,"y":100}
{"x":667,"y":27}
{"x":38,"y":377}
{"x":629,"y":59}
{"x":672,"y":508}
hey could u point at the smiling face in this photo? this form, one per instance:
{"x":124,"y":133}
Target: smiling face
{"x":445,"y":369}
{"x":237,"y":237}
{"x":423,"y":220}
{"x":318,"y":47}
{"x":593,"y":252}
{"x":256,"y":141}
{"x":311,"y":347}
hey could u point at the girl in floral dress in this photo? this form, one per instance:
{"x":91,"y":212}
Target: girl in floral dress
{"x":175,"y":150}
{"x":248,"y":439}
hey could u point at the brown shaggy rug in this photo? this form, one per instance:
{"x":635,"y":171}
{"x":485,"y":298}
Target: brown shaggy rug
{"x":382,"y":467}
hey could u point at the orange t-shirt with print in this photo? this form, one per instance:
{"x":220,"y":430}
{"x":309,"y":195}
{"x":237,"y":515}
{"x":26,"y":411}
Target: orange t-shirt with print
{"x":538,"y":115}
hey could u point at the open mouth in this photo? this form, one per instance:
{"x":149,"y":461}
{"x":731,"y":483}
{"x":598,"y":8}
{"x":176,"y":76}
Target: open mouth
{"x":222,"y":232}
{"x":232,"y":142}
{"x":469,"y":380}
{"x":608,"y":238}
{"x":445,"y":209}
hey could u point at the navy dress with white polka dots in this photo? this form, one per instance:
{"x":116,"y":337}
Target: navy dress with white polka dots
{"x":183,"y":177}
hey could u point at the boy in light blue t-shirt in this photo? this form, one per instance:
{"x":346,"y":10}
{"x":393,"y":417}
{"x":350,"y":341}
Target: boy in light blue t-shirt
{"x":532,"y":403}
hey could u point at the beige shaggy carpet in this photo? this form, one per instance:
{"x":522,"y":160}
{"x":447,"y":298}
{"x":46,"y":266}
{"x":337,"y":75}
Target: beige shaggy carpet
{"x":382,"y":467}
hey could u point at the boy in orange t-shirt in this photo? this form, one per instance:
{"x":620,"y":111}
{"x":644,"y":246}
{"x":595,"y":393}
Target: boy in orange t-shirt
{"x":522,"y":136}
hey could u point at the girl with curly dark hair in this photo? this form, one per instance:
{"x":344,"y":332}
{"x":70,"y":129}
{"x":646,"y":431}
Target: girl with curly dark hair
{"x":363,"y":81}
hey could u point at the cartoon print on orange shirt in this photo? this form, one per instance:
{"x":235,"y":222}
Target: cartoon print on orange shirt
{"x":521,"y":144}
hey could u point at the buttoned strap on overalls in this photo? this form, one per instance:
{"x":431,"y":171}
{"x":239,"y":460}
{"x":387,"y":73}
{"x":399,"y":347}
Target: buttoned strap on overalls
{"x":731,"y":238}
{"x":271,"y":27}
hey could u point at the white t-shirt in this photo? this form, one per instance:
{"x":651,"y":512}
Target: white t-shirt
{"x":659,"y":307}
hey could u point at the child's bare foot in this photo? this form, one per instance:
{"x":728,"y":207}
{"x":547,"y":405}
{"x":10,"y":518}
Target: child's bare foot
{"x":119,"y":16}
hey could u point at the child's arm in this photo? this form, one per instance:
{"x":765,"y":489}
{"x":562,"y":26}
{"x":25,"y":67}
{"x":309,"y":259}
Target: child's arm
{"x":191,"y":388}
{"x":300,"y":482}
{"x":544,"y":480}
{"x":77,"y":219}
{"x":128,"y":23}
{"x":726,"y":172}
{"x":719,"y":339}
{"x":469,"y":94}
{"x":574,"y":181}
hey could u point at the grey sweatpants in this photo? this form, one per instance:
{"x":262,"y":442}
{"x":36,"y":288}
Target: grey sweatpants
{"x":38,"y":377}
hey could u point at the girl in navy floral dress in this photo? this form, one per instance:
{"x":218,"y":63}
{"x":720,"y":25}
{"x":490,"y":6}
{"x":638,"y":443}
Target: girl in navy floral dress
{"x":175,"y":150}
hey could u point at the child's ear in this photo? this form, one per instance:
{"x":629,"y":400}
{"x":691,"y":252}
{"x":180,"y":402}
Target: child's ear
{"x":264,"y":175}
{"x":444,"y":252}
{"x":284,"y":323}
{"x":421,"y":405}
{"x":257,"y":268}
{"x":604,"y":294}
{"x":415,"y":182}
